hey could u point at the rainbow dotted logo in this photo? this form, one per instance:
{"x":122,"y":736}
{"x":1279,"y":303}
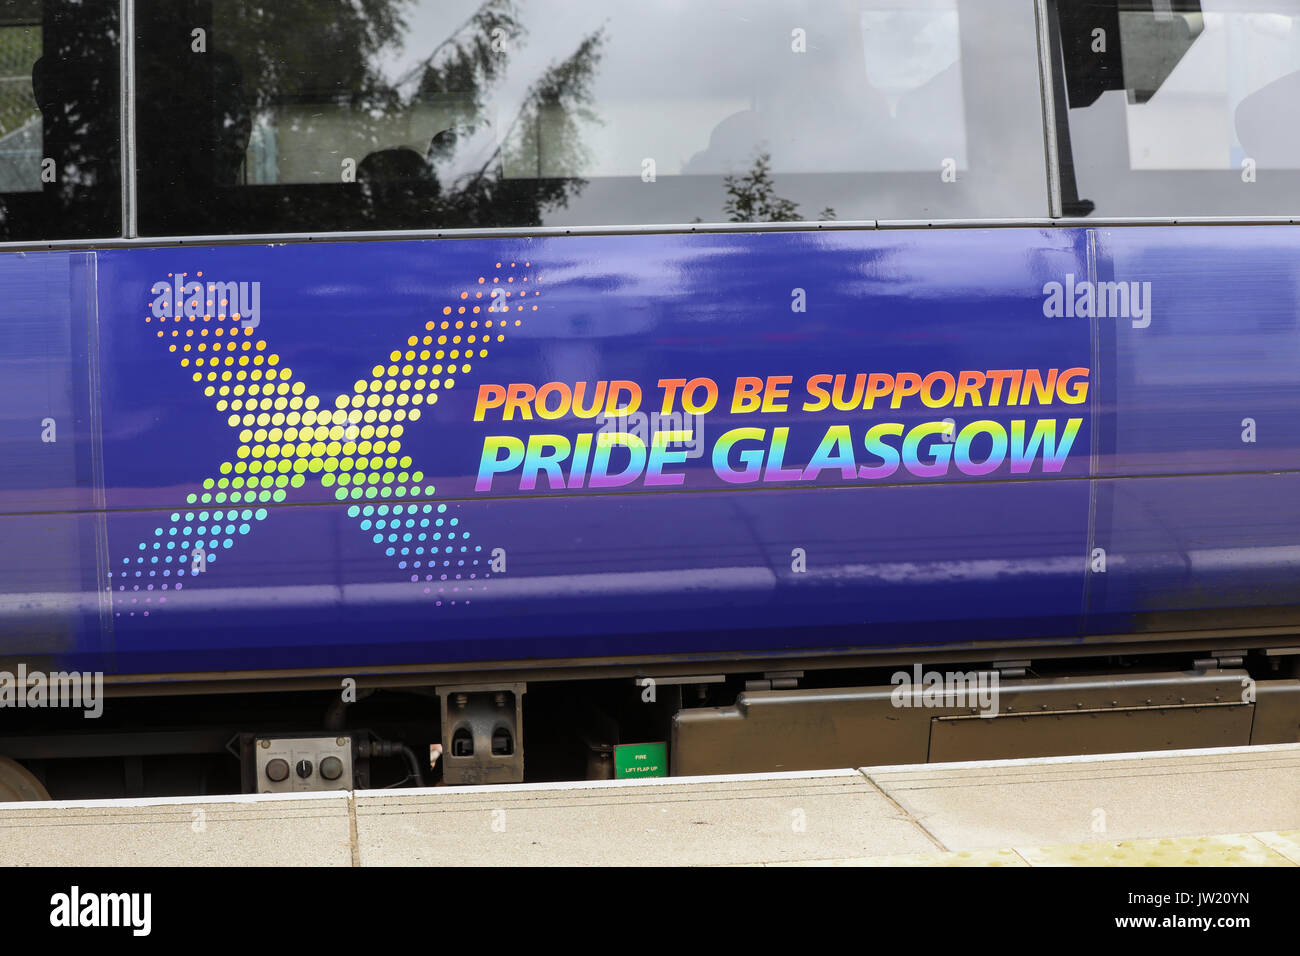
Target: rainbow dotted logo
{"x":352,"y":444}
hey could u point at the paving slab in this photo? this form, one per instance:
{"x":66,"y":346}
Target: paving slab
{"x":1054,"y":801}
{"x":263,"y":832}
{"x":1231,"y":806}
{"x":735,"y":820}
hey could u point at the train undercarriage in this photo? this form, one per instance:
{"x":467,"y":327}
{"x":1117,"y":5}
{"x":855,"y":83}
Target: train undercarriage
{"x":294,"y":734}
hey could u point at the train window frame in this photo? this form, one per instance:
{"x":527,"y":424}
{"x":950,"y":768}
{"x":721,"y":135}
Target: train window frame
{"x":990,"y":172}
{"x":1057,"y":169}
{"x":80,"y":194}
{"x":1131,"y":190}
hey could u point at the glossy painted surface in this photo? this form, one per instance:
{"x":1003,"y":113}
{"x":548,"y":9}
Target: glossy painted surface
{"x":1197,"y":526}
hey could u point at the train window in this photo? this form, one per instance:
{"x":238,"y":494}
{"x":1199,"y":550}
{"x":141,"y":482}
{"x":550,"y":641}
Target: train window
{"x":1179,"y":107}
{"x":378,"y":114}
{"x":59,"y":120}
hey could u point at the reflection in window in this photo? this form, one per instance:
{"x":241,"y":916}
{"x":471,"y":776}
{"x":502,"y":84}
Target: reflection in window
{"x":20,"y":120}
{"x":1190,"y":109}
{"x":908,"y":51}
{"x":59,"y":128}
{"x":356,"y":114}
{"x":1196,"y":120}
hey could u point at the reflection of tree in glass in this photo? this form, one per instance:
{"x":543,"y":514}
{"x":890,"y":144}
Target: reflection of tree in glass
{"x":287,"y":72}
{"x":20,"y":47}
{"x":74,"y":84}
{"x":543,"y":145}
{"x":750,"y":197}
{"x":464,"y":65}
{"x":294,"y":49}
{"x":530,"y":170}
{"x":298,"y":54}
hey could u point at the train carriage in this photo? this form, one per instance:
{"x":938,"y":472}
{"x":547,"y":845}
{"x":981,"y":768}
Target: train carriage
{"x":755,"y":386}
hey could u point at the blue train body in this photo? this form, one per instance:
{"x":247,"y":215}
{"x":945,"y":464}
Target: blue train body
{"x":1166,"y":491}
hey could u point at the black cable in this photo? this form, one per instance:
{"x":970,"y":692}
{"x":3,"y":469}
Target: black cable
{"x":384,"y":748}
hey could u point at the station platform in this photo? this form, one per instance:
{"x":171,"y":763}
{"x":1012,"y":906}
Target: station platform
{"x":1225,"y":806}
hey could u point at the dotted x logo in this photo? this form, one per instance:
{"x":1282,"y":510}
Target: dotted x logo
{"x":352,"y":445}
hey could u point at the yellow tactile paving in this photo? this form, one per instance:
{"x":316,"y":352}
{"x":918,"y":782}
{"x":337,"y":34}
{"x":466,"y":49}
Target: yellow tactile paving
{"x":1238,"y":849}
{"x":962,"y":858}
{"x":1287,"y":843}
